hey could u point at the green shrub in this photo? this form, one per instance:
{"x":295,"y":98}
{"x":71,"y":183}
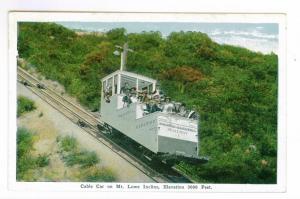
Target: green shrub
{"x":73,"y":155}
{"x":83,"y":158}
{"x":24,"y":142}
{"x":42,"y":160}
{"x":25,"y":160}
{"x":24,"y":105}
{"x":68,"y":144}
{"x":99,"y":175}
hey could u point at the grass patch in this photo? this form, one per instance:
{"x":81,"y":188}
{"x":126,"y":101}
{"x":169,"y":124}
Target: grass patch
{"x":68,"y":144}
{"x":42,"y":160}
{"x":83,"y":158}
{"x":72,"y":155}
{"x":24,"y":105}
{"x":26,"y":162}
{"x":95,"y":174}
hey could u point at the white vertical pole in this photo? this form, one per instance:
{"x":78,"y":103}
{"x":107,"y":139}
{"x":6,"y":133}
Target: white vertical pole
{"x":119,"y":84}
{"x":153,"y":87}
{"x":104,"y":85}
{"x":125,"y":50}
{"x":102,"y":90}
{"x":113,"y":85}
{"x":137,"y":84}
{"x":122,"y":61}
{"x":124,"y":56}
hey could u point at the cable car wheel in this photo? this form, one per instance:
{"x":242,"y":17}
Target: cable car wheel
{"x":107,"y":128}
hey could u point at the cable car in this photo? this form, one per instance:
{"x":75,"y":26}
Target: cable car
{"x":129,"y":105}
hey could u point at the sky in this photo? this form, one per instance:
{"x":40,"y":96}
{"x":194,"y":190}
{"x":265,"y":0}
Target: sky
{"x":259,"y":37}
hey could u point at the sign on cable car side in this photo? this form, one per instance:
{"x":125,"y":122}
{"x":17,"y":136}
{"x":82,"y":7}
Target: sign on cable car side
{"x":177,"y":128}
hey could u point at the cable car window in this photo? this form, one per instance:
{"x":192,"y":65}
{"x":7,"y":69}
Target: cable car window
{"x":144,"y":85}
{"x":127,"y":84}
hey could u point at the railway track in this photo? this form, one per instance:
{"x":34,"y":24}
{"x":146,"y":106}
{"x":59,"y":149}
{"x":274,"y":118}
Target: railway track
{"x":75,"y":114}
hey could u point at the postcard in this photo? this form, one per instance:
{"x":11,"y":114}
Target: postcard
{"x":155,"y":102}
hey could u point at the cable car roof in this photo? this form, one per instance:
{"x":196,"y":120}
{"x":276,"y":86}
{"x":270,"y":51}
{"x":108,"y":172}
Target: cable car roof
{"x":130,"y":74}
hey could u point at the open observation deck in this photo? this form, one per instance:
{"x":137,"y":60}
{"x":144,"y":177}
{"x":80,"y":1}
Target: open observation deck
{"x":117,"y":80}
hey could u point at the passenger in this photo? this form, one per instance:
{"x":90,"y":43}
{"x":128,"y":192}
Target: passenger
{"x":155,"y":95}
{"x":133,"y":91}
{"x":161,"y":106}
{"x":193,"y":114}
{"x":125,"y":89}
{"x":144,"y":109}
{"x":182,"y":110}
{"x":162,"y":96}
{"x":126,"y":101}
{"x":151,"y":106}
{"x":133,"y":98}
{"x":147,"y":109}
{"x":168,"y":107}
{"x":177,"y":106}
{"x":158,"y":95}
{"x":155,"y":108}
{"x":107,"y":94}
{"x":144,"y":97}
{"x":140,"y":96}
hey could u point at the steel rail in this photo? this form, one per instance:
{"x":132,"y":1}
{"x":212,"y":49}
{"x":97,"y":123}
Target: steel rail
{"x":71,"y":104}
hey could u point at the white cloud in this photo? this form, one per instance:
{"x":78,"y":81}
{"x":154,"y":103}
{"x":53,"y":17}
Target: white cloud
{"x":259,"y":45}
{"x":253,"y":33}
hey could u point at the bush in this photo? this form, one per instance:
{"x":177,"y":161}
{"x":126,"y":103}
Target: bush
{"x":24,"y":147}
{"x":42,"y":160}
{"x":72,"y":155}
{"x":95,"y":174}
{"x":25,"y":160}
{"x":24,"y":142}
{"x":68,"y":144}
{"x":87,"y":160}
{"x":24,"y":105}
{"x":83,"y":158}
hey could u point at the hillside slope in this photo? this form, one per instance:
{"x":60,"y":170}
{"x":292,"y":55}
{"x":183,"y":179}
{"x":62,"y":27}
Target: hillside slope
{"x":234,"y":89}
